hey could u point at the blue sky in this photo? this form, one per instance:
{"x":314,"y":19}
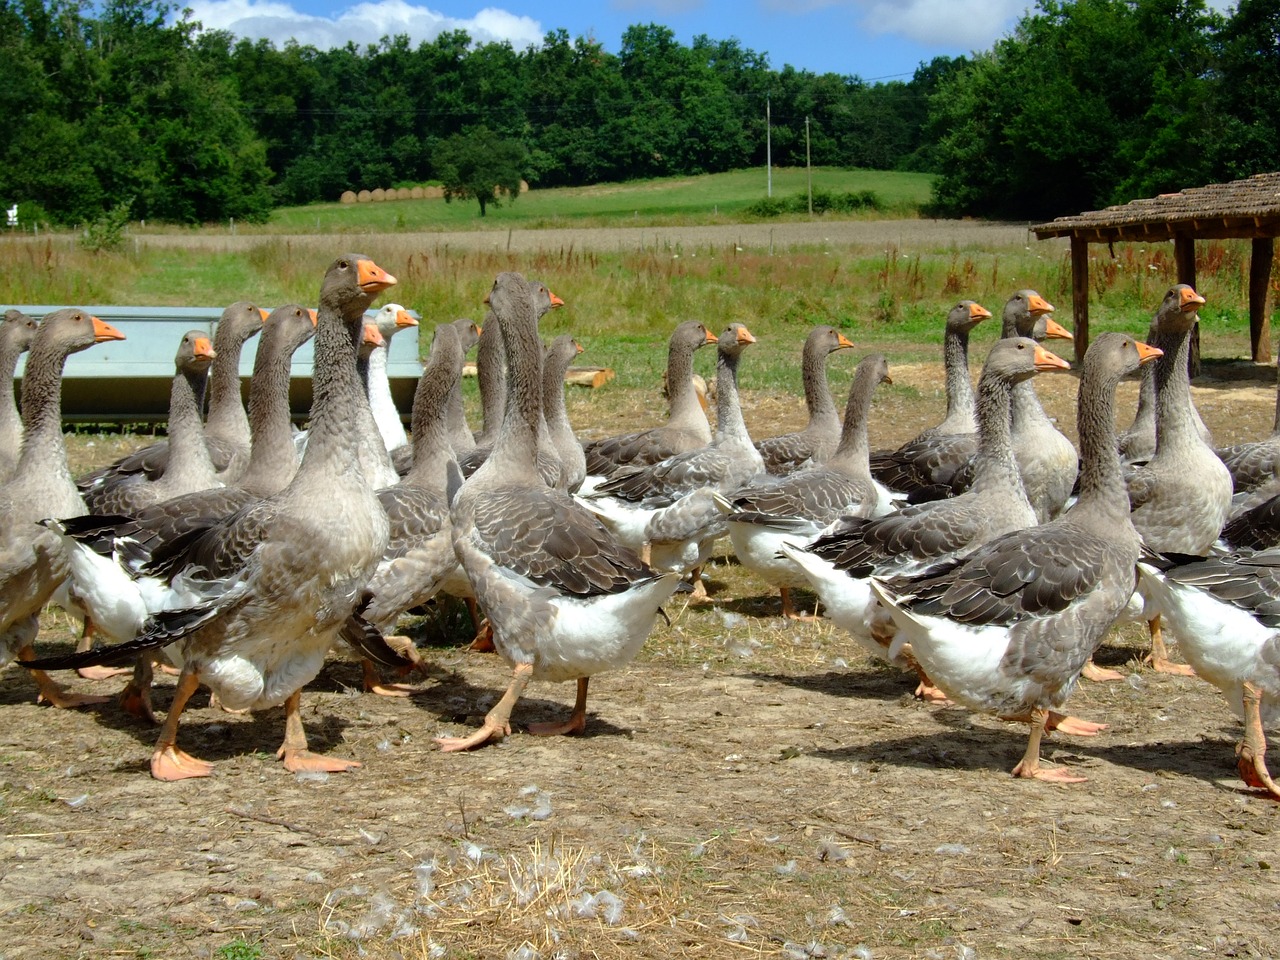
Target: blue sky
{"x":875,"y":39}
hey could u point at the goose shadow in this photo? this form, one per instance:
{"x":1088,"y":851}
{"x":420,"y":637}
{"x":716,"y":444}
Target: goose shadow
{"x":868,"y":683}
{"x":962,"y":745}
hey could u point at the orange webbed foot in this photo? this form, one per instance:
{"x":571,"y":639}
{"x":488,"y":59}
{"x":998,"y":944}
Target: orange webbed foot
{"x":931,"y":694}
{"x":170,"y":763}
{"x":56,"y":696}
{"x":1169,"y":668}
{"x":1047,"y":774}
{"x":1097,"y":674}
{"x":103,"y":673}
{"x":1073,"y":726}
{"x":304,"y":761}
{"x":492,"y":730}
{"x":575,"y":726}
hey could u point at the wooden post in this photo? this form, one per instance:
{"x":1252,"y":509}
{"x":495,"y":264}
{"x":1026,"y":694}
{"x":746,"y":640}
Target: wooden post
{"x":1264,"y":250}
{"x":1080,"y":293}
{"x":1184,"y":260}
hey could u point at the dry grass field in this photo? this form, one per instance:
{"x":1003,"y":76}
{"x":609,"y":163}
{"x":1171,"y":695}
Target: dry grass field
{"x":748,"y":787}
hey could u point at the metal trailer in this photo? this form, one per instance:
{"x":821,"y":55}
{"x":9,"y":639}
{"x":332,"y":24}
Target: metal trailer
{"x":128,"y":380}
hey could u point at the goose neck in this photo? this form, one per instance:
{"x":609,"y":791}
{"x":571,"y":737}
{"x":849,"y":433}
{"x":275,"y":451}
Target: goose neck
{"x":995,"y":462}
{"x":729,"y":422}
{"x":1102,"y":485}
{"x":188,"y":452}
{"x":273,"y":456}
{"x":1175,"y":418}
{"x":955,"y":362}
{"x":227,"y":418}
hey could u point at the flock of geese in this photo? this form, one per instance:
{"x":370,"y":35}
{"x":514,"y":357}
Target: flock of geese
{"x":987,"y":555}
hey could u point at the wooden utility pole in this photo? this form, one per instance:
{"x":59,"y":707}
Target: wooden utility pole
{"x":768,"y":146}
{"x":808,"y":166}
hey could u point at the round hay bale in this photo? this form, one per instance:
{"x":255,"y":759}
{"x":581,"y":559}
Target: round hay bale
{"x":416,"y":193}
{"x":433,"y":193}
{"x":378,"y":195}
{"x":524,"y":186}
{"x":363,"y":196}
{"x":404,"y":193}
{"x":348,"y":196}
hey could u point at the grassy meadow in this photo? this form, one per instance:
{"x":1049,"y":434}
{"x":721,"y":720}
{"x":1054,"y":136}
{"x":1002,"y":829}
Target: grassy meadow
{"x":721,"y":197}
{"x":623,"y":303}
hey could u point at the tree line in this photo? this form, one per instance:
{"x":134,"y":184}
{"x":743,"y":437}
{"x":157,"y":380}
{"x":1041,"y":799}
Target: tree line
{"x":128,"y":106}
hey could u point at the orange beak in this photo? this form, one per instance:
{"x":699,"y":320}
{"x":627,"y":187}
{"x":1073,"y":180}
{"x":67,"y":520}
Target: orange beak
{"x":1146,"y":352}
{"x":264,"y":314}
{"x":711,"y":337}
{"x":372,"y":278}
{"x":372,"y":336}
{"x":978,"y":312}
{"x":555,"y":301}
{"x":842,"y":341}
{"x":1054,"y":330}
{"x":315,"y":316}
{"x":1039,"y":305}
{"x":580,"y":347}
{"x":103,"y":331}
{"x":204,"y":348}
{"x":404,"y":320}
{"x":1190,"y":300}
{"x":744,"y":335}
{"x":1046,"y":361}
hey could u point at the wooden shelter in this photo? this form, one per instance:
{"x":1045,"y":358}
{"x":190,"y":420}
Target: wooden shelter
{"x":1243,"y":209}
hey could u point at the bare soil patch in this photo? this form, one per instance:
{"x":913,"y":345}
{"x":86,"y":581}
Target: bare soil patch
{"x":748,"y":787}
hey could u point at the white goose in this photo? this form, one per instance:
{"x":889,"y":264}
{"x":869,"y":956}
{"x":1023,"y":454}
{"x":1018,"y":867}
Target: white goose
{"x":767,"y":513}
{"x":266,"y":590}
{"x":565,"y":599}
{"x":1225,"y":614}
{"x":668,"y":506}
{"x":1008,"y":629}
{"x":920,"y":537}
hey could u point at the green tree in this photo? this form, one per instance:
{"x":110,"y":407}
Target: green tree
{"x":479,"y":164}
{"x":1087,"y":103}
{"x":1247,"y":97}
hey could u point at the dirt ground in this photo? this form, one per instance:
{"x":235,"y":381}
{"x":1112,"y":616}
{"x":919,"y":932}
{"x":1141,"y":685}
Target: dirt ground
{"x":747,"y":787}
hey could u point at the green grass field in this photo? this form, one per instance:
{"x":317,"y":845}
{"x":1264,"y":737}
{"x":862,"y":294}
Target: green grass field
{"x":623,"y":303}
{"x":718,"y":197}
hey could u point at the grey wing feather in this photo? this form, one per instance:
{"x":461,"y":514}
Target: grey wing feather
{"x":540,"y":534}
{"x":1029,"y":573}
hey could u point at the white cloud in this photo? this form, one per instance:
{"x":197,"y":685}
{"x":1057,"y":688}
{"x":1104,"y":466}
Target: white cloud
{"x":364,"y":23}
{"x":975,"y":24}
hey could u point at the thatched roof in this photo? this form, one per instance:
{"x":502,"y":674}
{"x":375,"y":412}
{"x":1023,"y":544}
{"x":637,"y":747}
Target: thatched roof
{"x":1248,"y":208}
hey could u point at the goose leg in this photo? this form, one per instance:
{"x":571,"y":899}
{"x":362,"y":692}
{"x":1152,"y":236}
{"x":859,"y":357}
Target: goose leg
{"x":699,"y":585}
{"x":1252,"y":752}
{"x":135,"y":698}
{"x":1029,"y":765}
{"x":497,"y":722}
{"x":167,"y":761}
{"x":297,"y":758}
{"x":790,"y":611}
{"x":483,"y":642}
{"x":51,"y":691}
{"x":577,"y":722}
{"x":374,"y":684}
{"x":925,"y":689}
{"x":1160,"y":661}
{"x":84,"y":644}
